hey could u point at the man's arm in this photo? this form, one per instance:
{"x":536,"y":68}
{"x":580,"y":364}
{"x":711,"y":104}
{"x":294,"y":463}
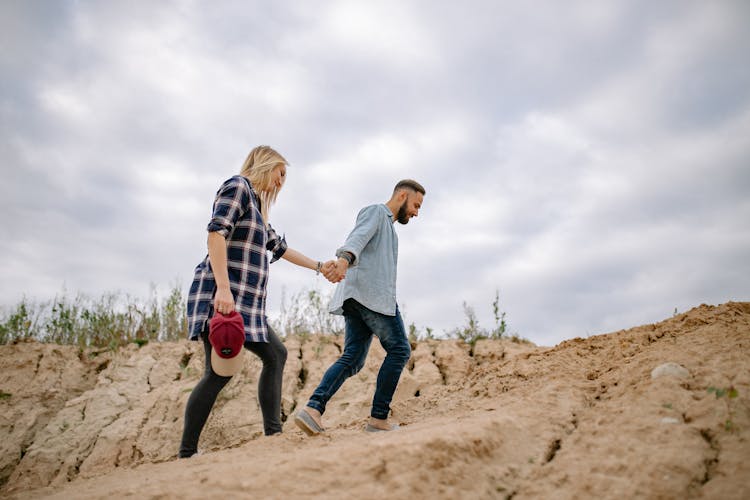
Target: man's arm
{"x":348,"y":255}
{"x":341,"y":264}
{"x":364,"y":229}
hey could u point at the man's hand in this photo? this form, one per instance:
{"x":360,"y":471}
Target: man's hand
{"x":334,"y":270}
{"x":341,"y":266}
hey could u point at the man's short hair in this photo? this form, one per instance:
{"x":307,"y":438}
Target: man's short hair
{"x":411,"y":185}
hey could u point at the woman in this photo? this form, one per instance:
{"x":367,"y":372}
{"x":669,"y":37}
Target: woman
{"x":233,"y":277}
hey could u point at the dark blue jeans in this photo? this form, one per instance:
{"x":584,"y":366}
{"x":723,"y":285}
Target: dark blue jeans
{"x":361,"y":325}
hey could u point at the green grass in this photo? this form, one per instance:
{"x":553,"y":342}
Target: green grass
{"x":305,"y":313}
{"x":471,"y":332}
{"x":108,"y":321}
{"x":728,"y":394}
{"x":115,"y":319}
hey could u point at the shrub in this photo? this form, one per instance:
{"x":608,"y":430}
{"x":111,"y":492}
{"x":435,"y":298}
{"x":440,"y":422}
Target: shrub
{"x":115,"y":319}
{"x":471,"y":332}
{"x":110,"y":321}
{"x":306,"y":313}
{"x":20,"y":323}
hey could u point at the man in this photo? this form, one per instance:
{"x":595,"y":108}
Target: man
{"x":367,"y":300}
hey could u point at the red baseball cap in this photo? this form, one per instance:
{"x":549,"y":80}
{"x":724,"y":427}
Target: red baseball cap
{"x":227,"y":336}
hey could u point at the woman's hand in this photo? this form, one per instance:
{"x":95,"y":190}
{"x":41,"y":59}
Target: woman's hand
{"x":217,"y":255}
{"x":223,"y":300}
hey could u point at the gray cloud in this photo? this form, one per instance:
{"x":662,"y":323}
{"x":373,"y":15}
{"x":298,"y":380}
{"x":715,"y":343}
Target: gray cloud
{"x":589,"y":161}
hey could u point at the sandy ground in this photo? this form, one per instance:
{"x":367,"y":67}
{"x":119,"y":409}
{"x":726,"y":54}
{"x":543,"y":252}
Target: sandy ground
{"x":657,"y":411}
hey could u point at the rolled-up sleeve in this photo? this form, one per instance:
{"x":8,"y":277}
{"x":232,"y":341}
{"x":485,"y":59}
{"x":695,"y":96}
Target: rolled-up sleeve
{"x":229,"y":205}
{"x":276,"y":244}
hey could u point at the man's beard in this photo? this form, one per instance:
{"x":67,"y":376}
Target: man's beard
{"x":402,"y":216}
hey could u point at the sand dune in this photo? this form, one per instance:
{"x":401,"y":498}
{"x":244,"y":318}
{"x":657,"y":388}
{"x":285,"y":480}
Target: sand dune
{"x":639,"y":413}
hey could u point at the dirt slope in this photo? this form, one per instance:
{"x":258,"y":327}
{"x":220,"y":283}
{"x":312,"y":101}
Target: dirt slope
{"x":600,"y":417}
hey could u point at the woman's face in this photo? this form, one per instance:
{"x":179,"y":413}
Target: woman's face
{"x":278,"y":176}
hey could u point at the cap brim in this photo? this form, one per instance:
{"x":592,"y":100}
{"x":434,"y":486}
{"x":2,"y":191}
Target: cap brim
{"x":226,"y":367}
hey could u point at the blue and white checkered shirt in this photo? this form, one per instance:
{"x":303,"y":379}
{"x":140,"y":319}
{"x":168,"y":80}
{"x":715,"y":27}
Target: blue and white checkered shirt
{"x":236,"y":216}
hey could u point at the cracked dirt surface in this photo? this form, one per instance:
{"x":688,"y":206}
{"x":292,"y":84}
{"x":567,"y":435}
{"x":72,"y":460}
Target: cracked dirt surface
{"x":584,"y":419}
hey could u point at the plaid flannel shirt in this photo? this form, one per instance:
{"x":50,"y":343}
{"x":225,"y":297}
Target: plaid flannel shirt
{"x":236,"y":216}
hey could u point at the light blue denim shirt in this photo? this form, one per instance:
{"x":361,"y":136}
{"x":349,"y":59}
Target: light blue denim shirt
{"x":371,"y":278}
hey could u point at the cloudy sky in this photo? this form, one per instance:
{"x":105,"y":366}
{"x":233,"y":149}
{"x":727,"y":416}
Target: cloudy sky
{"x":589,"y":160}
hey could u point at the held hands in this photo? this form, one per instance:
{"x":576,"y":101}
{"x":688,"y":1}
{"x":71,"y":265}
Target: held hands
{"x":335,"y":270}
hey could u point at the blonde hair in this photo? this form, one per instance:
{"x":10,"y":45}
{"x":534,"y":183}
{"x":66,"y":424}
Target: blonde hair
{"x":257,"y":169}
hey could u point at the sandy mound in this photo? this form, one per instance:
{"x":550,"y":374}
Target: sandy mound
{"x":658,"y":411}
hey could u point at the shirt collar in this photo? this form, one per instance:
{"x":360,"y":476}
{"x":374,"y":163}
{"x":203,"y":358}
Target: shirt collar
{"x":388,"y":211}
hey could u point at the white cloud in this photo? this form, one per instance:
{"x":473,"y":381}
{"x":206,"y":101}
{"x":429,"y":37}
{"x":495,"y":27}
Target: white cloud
{"x":386,"y":34}
{"x":589,"y":161}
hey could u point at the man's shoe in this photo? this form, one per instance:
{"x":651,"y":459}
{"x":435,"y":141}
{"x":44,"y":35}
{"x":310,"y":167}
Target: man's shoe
{"x":307,"y":423}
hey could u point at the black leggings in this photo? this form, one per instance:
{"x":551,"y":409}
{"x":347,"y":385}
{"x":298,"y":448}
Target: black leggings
{"x":201,"y":400}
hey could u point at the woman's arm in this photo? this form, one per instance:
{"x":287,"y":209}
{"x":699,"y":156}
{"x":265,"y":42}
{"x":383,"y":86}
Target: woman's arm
{"x":301,"y":260}
{"x":217,"y":256}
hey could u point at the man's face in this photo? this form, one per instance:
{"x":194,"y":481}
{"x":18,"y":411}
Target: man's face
{"x":410,"y":207}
